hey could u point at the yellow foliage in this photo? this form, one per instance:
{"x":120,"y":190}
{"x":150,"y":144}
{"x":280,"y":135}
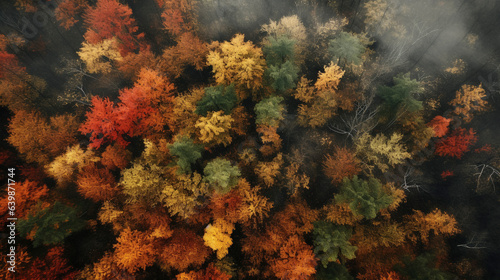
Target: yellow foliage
{"x":181,"y":195}
{"x":98,"y":57}
{"x":184,"y":111}
{"x":469,"y":100}
{"x":268,"y":171}
{"x":330,"y":78}
{"x":256,"y":207}
{"x":238,"y":62}
{"x":440,"y":223}
{"x":64,"y":166}
{"x":340,"y":214}
{"x":218,"y":237}
{"x":214,"y":129}
{"x":381,"y":151}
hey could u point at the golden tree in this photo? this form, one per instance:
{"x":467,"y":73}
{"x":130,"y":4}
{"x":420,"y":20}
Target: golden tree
{"x":218,"y":237}
{"x":134,"y":250}
{"x":341,"y":164}
{"x":215,"y":128}
{"x":99,"y":57}
{"x":468,"y":101}
{"x":238,"y":62}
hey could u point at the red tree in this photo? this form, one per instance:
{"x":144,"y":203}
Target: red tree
{"x":440,"y":125}
{"x":456,"y":144}
{"x":110,"y":19}
{"x":9,"y":64}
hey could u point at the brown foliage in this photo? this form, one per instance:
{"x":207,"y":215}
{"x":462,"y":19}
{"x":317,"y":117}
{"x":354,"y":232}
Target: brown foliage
{"x":68,"y":10}
{"x":296,"y":260}
{"x":183,"y":249}
{"x":134,"y":250}
{"x":189,"y":51}
{"x":115,"y":156}
{"x":96,"y":183}
{"x":341,"y":164}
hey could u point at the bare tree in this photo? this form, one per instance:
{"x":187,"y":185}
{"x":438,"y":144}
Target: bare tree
{"x":474,"y":243}
{"x":486,"y":176}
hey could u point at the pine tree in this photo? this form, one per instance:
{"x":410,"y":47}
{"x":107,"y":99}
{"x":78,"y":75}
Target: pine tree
{"x":187,"y":153}
{"x":221,"y":174}
{"x":218,"y":98}
{"x":331,"y":241}
{"x":269,"y":111}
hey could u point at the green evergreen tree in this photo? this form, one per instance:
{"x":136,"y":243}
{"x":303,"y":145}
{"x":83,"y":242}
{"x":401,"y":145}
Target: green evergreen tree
{"x":50,"y":225}
{"x":279,"y":50}
{"x":218,"y":98}
{"x":365,"y":198}
{"x":334,"y":271}
{"x":283,"y":76}
{"x":331,"y":240}
{"x":187,"y":153}
{"x":422,"y":268}
{"x":269,"y":111}
{"x":347,"y":48}
{"x":221,"y":175}
{"x":400,"y":96}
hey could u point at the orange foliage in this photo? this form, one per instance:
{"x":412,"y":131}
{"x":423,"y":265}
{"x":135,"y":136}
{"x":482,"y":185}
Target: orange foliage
{"x":209,"y":273}
{"x":270,"y":138}
{"x":67,"y":11}
{"x":178,"y":15}
{"x":102,"y":123}
{"x":183,"y":249}
{"x":28,"y":193}
{"x":96,"y":183}
{"x":134,"y":250}
{"x":468,"y":100}
{"x":131,"y":64}
{"x":110,"y":19}
{"x":115,"y":156}
{"x":340,"y":214}
{"x":440,"y":125}
{"x":438,"y":222}
{"x":446,"y":174}
{"x":341,"y":164}
{"x":189,"y":51}
{"x":457,"y":143}
{"x":296,"y":260}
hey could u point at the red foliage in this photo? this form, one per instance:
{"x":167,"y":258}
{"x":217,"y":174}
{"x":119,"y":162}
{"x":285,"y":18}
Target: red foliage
{"x":456,"y":144}
{"x":28,"y":193}
{"x":9,"y":64}
{"x":115,"y":156}
{"x":102,"y":123}
{"x":32,"y":173}
{"x":446,"y":174}
{"x":110,"y":19}
{"x":52,"y":266}
{"x":226,"y":207}
{"x":440,"y":125}
{"x":486,"y":148}
{"x":342,"y":164}
{"x":67,"y":11}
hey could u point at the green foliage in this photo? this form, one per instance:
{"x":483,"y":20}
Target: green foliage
{"x":283,"y":76}
{"x":400,"y":96}
{"x":334,"y":271}
{"x":269,"y":111}
{"x":218,"y":98}
{"x":279,"y":50}
{"x":422,"y":268}
{"x":50,"y":225}
{"x":347,"y":47}
{"x":331,"y":240}
{"x":221,"y":174}
{"x":187,"y":152}
{"x":365,"y":198}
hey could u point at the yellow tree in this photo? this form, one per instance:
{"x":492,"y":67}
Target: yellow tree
{"x":64,"y":166}
{"x":214,"y":129}
{"x":468,"y":101}
{"x":268,"y":171}
{"x":99,"y":57}
{"x":181,"y":196}
{"x":218,"y":237}
{"x":380,"y":151}
{"x":238,"y":62}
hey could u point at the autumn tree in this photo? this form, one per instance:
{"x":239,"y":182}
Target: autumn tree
{"x":47,"y":224}
{"x":293,"y":29}
{"x":68,"y":10}
{"x":28,"y":193}
{"x":183,"y":196}
{"x":365,"y":198}
{"x":296,"y":260}
{"x":341,"y":164}
{"x":420,"y":226}
{"x":182,"y":250}
{"x":96,"y":183}
{"x":108,"y":19}
{"x":468,"y":101}
{"x":218,"y":98}
{"x":143,"y":182}
{"x":40,"y":140}
{"x":179,"y":17}
{"x":190,"y":51}
{"x":221,"y":174}
{"x":268,"y":172}
{"x":134,"y":250}
{"x":282,"y":70}
{"x":75,"y":159}
{"x":440,"y":125}
{"x":331,"y":241}
{"x":214,"y":129}
{"x":115,"y":157}
{"x":101,"y":56}
{"x":269,"y":111}
{"x":218,"y":237}
{"x":270,"y":139}
{"x":186,"y":152}
{"x":380,"y":150}
{"x":237,"y":62}
{"x":209,"y":273}
{"x":457,"y":143}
